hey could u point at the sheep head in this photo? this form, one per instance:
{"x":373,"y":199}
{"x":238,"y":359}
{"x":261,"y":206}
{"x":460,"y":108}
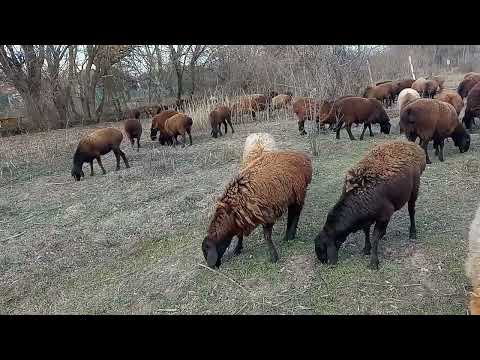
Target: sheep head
{"x":77,"y":172}
{"x":326,"y":247}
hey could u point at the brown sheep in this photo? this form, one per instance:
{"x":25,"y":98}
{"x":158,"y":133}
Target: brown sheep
{"x":399,"y":85}
{"x":352,"y":110}
{"x":272,"y":94}
{"x":433,"y":119}
{"x":467,"y":84}
{"x":259,"y":195}
{"x":281,"y":101}
{"x":382,"y":182}
{"x":250,"y":104}
{"x":179,"y":124}
{"x":91,"y":146}
{"x":472,"y":110}
{"x":382,"y":92}
{"x":133,"y":129}
{"x":255,"y":145}
{"x":220,"y":115}
{"x":383,"y":82}
{"x":426,"y":87}
{"x":158,"y":125}
{"x":307,"y":109}
{"x":472,"y":263}
{"x":472,"y":73}
{"x":451,"y":97}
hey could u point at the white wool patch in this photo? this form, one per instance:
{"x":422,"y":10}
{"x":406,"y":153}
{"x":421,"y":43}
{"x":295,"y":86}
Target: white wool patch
{"x":407,"y":95}
{"x":258,"y":142}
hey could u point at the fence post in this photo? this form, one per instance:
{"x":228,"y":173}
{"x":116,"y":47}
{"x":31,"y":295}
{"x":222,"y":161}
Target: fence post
{"x":411,"y":67}
{"x":370,"y":73}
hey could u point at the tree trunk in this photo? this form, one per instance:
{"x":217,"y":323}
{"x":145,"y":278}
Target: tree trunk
{"x":193,"y":76}
{"x":179,"y":85}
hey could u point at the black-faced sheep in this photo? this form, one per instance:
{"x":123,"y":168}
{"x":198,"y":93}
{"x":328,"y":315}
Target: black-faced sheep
{"x":179,"y":124}
{"x":406,"y":96}
{"x":218,"y":116}
{"x":472,"y":110}
{"x":95,"y":144}
{"x":381,"y":183}
{"x":467,"y":84}
{"x":352,"y":110}
{"x":433,"y":119}
{"x":451,"y":97}
{"x":133,"y":129}
{"x":255,"y":145}
{"x":259,"y":195}
{"x":158,"y":125}
{"x":472,"y":264}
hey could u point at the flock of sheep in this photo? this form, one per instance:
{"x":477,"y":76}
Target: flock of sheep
{"x":273,"y":181}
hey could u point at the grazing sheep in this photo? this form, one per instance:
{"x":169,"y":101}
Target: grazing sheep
{"x":352,"y":110}
{"x":406,"y":96}
{"x":218,"y":116}
{"x":158,"y":125}
{"x":467,"y":85}
{"x":399,"y":85}
{"x":133,"y":129}
{"x":385,"y":179}
{"x":259,"y":195}
{"x":426,"y":87}
{"x":91,"y":146}
{"x":451,"y":97}
{"x":306,"y":109}
{"x":382,"y":92}
{"x":472,"y":110}
{"x":255,"y":145}
{"x":472,"y":263}
{"x":250,"y":104}
{"x":281,"y":101}
{"x":433,"y":119}
{"x":179,"y":124}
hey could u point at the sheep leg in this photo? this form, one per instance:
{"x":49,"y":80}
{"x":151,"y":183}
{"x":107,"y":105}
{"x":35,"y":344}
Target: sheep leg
{"x":99,"y":161}
{"x":267,"y":234}
{"x":239,"y":247}
{"x":349,"y":131}
{"x":363,"y":131}
{"x":189,"y":137}
{"x":224,"y":124}
{"x":440,"y":153}
{"x":91,"y":167}
{"x":230,"y":123}
{"x":370,"y":129}
{"x":339,"y":127}
{"x":138,"y":144}
{"x":368,"y":246}
{"x":132,"y":142}
{"x":318,"y":126}
{"x":254,"y":116}
{"x":424,"y":145}
{"x":378,"y":233}
{"x":292,"y":221}
{"x":124,"y":158}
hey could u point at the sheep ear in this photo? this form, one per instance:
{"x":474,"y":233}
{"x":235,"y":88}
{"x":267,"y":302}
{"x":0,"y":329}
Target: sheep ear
{"x":212,"y":256}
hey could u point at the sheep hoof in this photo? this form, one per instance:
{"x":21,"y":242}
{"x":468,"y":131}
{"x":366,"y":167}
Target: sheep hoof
{"x":373,"y":265}
{"x":413,"y":236}
{"x":429,"y":162}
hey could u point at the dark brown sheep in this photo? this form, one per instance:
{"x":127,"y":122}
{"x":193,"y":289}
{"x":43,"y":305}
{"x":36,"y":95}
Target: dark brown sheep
{"x":270,"y":184}
{"x":427,"y":87}
{"x":382,"y":92}
{"x":281,"y":101}
{"x":95,"y":144}
{"x":433,"y":119}
{"x":250,"y":104}
{"x":179,"y":124}
{"x":467,"y":84}
{"x":220,"y":115}
{"x":399,"y":85}
{"x":133,"y":129}
{"x":472,"y":110}
{"x":383,"y":82}
{"x":352,"y":110}
{"x":385,"y":179}
{"x":158,"y":125}
{"x":472,"y":73}
{"x":307,"y":109}
{"x":451,"y":97}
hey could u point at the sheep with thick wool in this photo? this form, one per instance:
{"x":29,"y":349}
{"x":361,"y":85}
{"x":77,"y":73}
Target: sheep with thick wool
{"x":385,"y":179}
{"x":255,"y":145}
{"x":179,"y":124}
{"x":431,"y":119}
{"x":95,"y":144}
{"x":274,"y":182}
{"x":472,"y":263}
{"x":472,"y":110}
{"x":467,"y":84}
{"x":221,"y":114}
{"x":451,"y":97}
{"x":406,"y":96}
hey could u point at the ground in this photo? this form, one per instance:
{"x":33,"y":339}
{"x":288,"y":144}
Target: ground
{"x":129,"y":242}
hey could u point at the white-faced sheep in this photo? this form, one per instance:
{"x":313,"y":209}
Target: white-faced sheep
{"x":95,"y":144}
{"x":472,"y":264}
{"x":259,"y":195}
{"x":381,"y":183}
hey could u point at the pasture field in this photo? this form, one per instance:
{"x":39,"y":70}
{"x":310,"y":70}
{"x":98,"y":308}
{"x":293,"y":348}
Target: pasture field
{"x":128,"y":242}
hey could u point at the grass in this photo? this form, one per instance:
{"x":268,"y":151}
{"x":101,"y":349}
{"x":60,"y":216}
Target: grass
{"x":129,"y":241}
